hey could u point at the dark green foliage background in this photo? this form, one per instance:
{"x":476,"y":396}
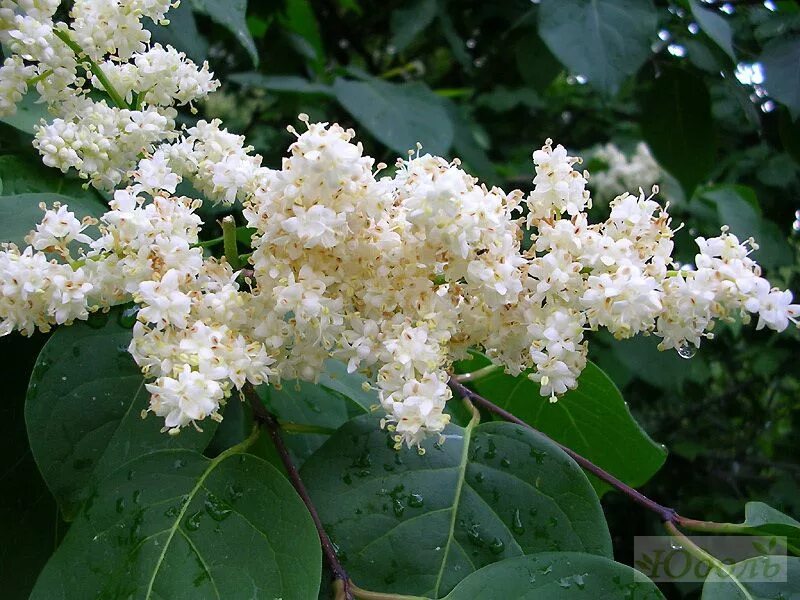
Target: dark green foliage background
{"x":488,"y":82}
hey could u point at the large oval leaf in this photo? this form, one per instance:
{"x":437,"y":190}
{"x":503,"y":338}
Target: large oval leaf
{"x":593,"y":420}
{"x":399,"y":116}
{"x":232,"y":15}
{"x":29,"y":176}
{"x":419,"y":524}
{"x":759,"y":578}
{"x":604,"y":41}
{"x":714,"y":26}
{"x":781,"y":60}
{"x":678,"y":126}
{"x":30,"y":111}
{"x":557,"y":576}
{"x":83,"y":410}
{"x":174,"y":524}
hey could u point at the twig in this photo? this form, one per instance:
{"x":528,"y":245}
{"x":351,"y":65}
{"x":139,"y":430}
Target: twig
{"x":668,"y":515}
{"x":262,"y":415}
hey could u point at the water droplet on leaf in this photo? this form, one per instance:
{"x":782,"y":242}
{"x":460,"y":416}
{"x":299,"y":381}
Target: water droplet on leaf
{"x":193,"y":522}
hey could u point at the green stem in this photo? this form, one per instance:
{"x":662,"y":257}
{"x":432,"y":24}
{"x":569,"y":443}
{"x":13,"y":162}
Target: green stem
{"x":700,"y":554}
{"x":34,"y":80}
{"x":241,"y":446}
{"x":115,"y":96}
{"x":453,"y":92}
{"x":477,"y":374}
{"x":726,"y":529}
{"x":229,"y":241}
{"x":402,"y":69}
{"x":290,"y":427}
{"x":209,"y":243}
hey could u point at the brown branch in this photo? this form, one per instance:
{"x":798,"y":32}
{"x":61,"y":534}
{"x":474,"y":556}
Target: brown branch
{"x":668,"y":515}
{"x":263,"y":416}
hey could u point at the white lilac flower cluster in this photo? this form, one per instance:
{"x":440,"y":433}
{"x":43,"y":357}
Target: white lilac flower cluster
{"x":105,"y":47}
{"x":396,"y":275}
{"x":623,"y":172}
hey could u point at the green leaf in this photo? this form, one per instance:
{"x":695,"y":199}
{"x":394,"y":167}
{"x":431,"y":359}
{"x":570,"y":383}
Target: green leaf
{"x":773,"y":580}
{"x":714,"y":26}
{"x":399,"y":116}
{"x":467,"y":147}
{"x":230,"y":14}
{"x":737,"y":207}
{"x":29,"y":113}
{"x":280,"y":83}
{"x":409,"y":21}
{"x":27,"y":175}
{"x":641,"y":357}
{"x":677,"y":125}
{"x":781,"y":62}
{"x":604,"y":41}
{"x":328,"y":404}
{"x":593,"y":420}
{"x":457,"y":45}
{"x":489,"y":492}
{"x":335,"y":377}
{"x":19,"y":214}
{"x":174,"y":524}
{"x":83,"y":410}
{"x":762,"y":519}
{"x":301,"y":20}
{"x":29,"y":517}
{"x":556,"y":576}
{"x":536,"y":64}
{"x":181,"y":33}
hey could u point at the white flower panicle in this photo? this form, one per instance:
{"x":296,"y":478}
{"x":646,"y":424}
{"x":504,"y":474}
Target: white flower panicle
{"x":623,"y":172}
{"x":101,"y":139}
{"x":396,"y":275}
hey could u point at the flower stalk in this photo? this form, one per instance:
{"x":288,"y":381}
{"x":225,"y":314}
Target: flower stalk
{"x":273,"y":427}
{"x":96,"y":70}
{"x":667,"y":514}
{"x":229,"y":242}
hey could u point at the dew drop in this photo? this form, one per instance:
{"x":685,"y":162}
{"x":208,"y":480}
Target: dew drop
{"x":505,"y":462}
{"x":491,"y":452}
{"x":538,"y":455}
{"x":474,"y":536}
{"x":516,"y":523}
{"x":564,"y":582}
{"x":127,"y":317}
{"x":120,"y":504}
{"x":497,"y":546}
{"x":216,"y":508}
{"x":234,"y":492}
{"x":686,"y":350}
{"x":398,"y":508}
{"x":193,"y":522}
{"x":415,"y":500}
{"x":580,"y":581}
